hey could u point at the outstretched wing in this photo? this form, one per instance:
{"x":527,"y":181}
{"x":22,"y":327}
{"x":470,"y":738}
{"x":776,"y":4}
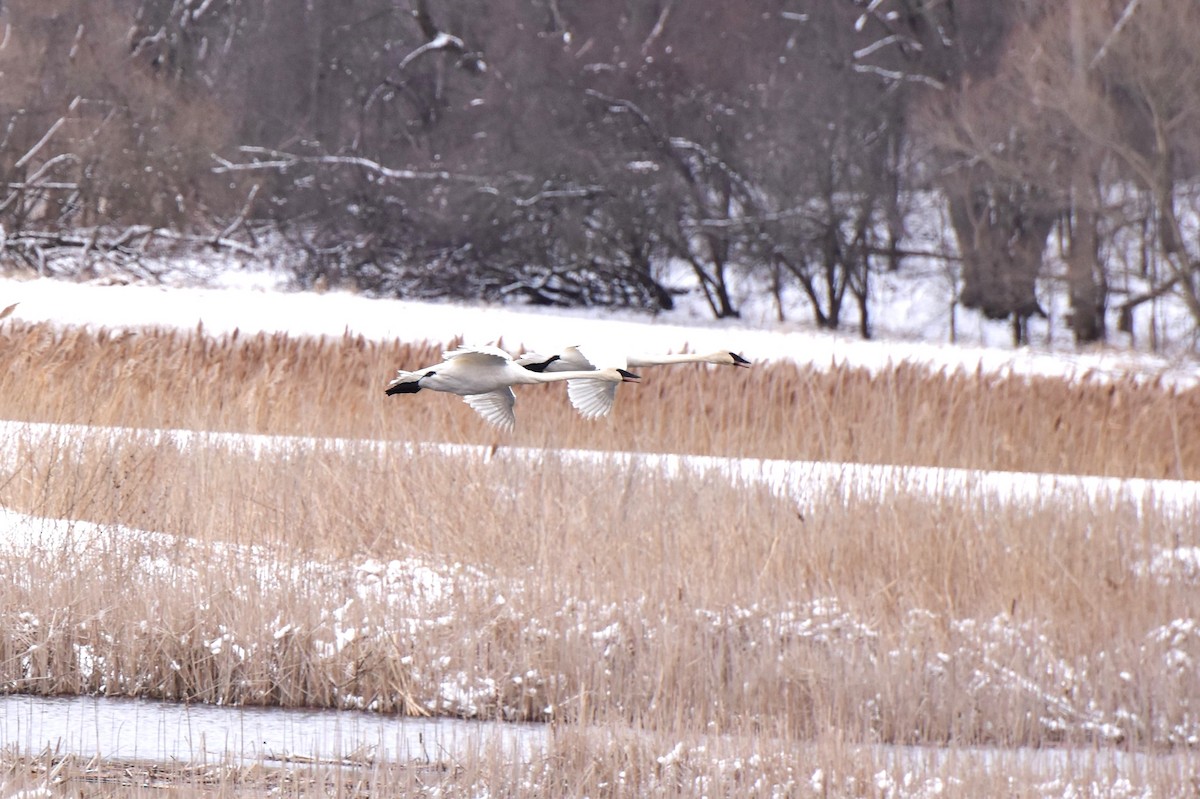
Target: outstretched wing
{"x":483,"y":353}
{"x":573,"y":359}
{"x":591,"y":356}
{"x":496,"y":407}
{"x":592,"y":398}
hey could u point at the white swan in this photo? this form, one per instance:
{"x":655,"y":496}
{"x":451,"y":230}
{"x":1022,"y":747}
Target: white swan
{"x":594,"y":398}
{"x":484,"y":376}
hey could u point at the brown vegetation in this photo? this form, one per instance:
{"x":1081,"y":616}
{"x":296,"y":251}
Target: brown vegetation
{"x":659,"y":611}
{"x":903,"y":414}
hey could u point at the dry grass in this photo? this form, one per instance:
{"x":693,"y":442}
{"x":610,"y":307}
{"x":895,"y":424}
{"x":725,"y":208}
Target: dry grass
{"x":275,"y":384}
{"x":584,"y":763}
{"x":656,"y":610}
{"x":675,"y":605}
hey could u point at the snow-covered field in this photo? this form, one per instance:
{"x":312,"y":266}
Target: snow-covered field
{"x":253,"y":302}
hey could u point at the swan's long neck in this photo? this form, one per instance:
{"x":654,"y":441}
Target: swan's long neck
{"x":556,"y":377}
{"x":665,"y":360}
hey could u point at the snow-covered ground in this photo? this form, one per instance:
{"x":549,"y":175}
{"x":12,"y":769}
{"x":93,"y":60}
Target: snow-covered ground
{"x":914,"y":326}
{"x":795,"y":480}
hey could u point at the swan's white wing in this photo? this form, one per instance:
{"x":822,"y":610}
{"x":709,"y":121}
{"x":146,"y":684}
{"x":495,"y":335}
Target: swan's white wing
{"x":496,"y":407}
{"x":592,"y":398}
{"x":592,"y":356}
{"x":485,"y":352}
{"x":528,"y":358}
{"x":574,"y":359}
{"x":577,"y":359}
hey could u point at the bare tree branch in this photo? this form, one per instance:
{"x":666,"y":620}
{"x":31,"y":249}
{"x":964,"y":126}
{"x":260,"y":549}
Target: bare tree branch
{"x":282,"y":161}
{"x":892,"y":74}
{"x":440,"y":40}
{"x":659,"y":26}
{"x":34,"y":180}
{"x":240,"y":219}
{"x":1126,"y":15}
{"x":581,"y":192}
{"x":45,"y":137}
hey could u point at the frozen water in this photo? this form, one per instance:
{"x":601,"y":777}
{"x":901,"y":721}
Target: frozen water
{"x":130,"y":729}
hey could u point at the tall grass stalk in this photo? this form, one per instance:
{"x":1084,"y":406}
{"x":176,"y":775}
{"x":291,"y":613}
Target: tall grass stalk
{"x":903,"y":414}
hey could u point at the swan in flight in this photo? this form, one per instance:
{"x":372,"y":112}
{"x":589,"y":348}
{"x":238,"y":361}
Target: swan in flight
{"x":484,"y":377}
{"x":593,"y":398}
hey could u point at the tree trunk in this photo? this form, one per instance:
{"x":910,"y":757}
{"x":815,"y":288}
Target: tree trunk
{"x":1086,"y":285}
{"x":1001,"y":237}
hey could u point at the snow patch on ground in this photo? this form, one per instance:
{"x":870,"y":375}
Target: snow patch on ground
{"x":258,"y":309}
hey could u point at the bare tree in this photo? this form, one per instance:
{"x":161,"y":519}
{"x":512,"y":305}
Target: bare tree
{"x":1088,"y":100}
{"x":1141,"y":106}
{"x":948,"y":54}
{"x":98,"y":151}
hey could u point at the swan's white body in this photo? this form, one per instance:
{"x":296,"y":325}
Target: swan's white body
{"x":484,"y":377}
{"x":592,"y":398}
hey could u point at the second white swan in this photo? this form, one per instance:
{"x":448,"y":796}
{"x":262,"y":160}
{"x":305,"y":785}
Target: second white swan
{"x":592,"y":398}
{"x":484,"y":377}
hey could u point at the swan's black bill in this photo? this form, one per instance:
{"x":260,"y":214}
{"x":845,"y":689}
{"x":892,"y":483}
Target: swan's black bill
{"x":739,"y":360}
{"x":629,"y":377}
{"x":403,"y":388}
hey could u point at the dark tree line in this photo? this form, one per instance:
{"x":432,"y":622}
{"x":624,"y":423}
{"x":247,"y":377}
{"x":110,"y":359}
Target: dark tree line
{"x":561,"y":151}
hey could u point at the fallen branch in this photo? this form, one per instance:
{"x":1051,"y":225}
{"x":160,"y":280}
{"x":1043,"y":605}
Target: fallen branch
{"x":128,"y":246}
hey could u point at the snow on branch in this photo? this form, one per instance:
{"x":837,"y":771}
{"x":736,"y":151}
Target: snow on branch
{"x":711,"y":160}
{"x":658,"y":28}
{"x":684,"y":152}
{"x":35,"y":181}
{"x":276,"y":160}
{"x":896,"y":75}
{"x":440,"y":40}
{"x":45,"y":137}
{"x":884,"y":42}
{"x":1126,"y":15}
{"x":872,"y":10}
{"x":579,"y":192}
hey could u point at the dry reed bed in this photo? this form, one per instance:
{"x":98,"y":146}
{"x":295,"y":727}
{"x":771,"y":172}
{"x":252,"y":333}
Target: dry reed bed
{"x":587,"y":763}
{"x":902,"y":415}
{"x":621,"y":764}
{"x":360,"y":578}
